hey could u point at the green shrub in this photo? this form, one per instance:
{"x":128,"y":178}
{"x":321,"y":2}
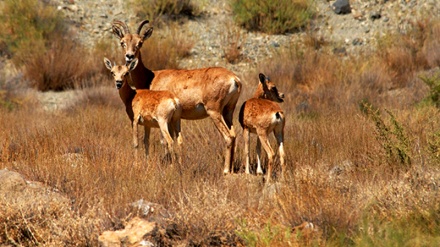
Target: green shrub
{"x":270,"y":235}
{"x":162,"y":10}
{"x":433,"y":82}
{"x":419,"y":228}
{"x":392,"y":136}
{"x":434,"y":146}
{"x":279,"y":16}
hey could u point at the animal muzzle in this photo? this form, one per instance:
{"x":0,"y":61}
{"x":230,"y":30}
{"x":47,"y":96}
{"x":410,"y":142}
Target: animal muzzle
{"x":118,"y":84}
{"x":129,"y":58}
{"x":281,"y":97}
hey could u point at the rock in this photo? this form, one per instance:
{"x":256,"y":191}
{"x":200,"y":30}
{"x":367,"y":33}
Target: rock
{"x":131,"y":235}
{"x":11,"y":182}
{"x":341,"y":7}
{"x":357,"y":41}
{"x":341,"y":51}
{"x":375,"y":15}
{"x":358,"y":15}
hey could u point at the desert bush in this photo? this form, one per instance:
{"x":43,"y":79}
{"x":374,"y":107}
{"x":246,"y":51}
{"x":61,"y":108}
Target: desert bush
{"x":279,"y":16}
{"x":420,"y":227}
{"x":233,"y":40}
{"x":38,"y":41}
{"x":162,"y":10}
{"x":27,"y":25}
{"x":58,"y":68}
{"x":434,"y":146}
{"x":46,"y":222}
{"x":392,"y":137}
{"x":433,"y":82}
{"x":431,"y":45}
{"x":406,"y":53}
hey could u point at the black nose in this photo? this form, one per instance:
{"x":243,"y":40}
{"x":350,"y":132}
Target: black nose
{"x":129,"y":57}
{"x":118,"y":84}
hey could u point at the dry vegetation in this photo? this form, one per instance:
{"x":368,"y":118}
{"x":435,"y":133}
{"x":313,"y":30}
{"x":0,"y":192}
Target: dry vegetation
{"x":350,"y":120}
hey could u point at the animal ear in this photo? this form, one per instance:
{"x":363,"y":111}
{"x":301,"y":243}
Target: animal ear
{"x":262,"y":78}
{"x":147,"y":33}
{"x":133,"y":64}
{"x":107,"y":63}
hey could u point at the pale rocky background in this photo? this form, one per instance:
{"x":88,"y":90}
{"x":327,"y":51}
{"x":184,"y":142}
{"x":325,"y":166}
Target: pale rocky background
{"x":355,"y":32}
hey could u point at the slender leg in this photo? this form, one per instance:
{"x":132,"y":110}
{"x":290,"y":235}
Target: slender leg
{"x":228,"y":135}
{"x":279,"y":135}
{"x":177,"y":137}
{"x":270,"y":153}
{"x":246,"y":148}
{"x":258,"y":149}
{"x":147,"y":140}
{"x":135,"y":132}
{"x":166,"y":135}
{"x":228,"y":113}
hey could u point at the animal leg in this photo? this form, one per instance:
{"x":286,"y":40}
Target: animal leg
{"x":246,"y":148}
{"x":163,"y":125}
{"x":146,"y":140}
{"x":279,"y":135}
{"x":135,"y":132}
{"x":258,"y":149}
{"x":262,"y":135}
{"x":229,"y":137}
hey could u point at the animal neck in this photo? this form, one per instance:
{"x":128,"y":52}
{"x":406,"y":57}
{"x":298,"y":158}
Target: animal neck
{"x":127,"y":94}
{"x":259,"y":93}
{"x":141,"y":75}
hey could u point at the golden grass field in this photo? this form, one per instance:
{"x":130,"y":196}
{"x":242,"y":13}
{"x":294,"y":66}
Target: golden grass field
{"x":363,"y":178}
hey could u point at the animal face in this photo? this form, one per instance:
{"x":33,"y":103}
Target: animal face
{"x":270,"y":90}
{"x":120,"y":73}
{"x":131,"y":42}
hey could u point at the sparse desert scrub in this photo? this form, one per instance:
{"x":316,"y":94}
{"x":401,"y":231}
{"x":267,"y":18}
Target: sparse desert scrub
{"x":160,"y":11}
{"x":272,"y":16}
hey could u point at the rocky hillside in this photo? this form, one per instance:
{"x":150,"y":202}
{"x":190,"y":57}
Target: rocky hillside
{"x":350,"y":26}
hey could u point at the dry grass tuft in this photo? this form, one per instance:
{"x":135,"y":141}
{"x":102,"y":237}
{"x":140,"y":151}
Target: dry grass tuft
{"x":233,"y":40}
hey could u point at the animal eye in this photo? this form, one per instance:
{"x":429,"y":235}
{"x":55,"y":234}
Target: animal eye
{"x":113,"y":74}
{"x":123,"y":44}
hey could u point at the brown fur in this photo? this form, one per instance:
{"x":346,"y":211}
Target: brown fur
{"x":262,"y":115}
{"x":152,"y":109}
{"x":212,"y":91}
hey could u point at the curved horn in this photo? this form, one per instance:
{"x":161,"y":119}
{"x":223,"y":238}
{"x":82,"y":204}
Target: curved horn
{"x":122,"y":24}
{"x":141,"y":25}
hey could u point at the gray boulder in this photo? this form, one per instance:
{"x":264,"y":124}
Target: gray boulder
{"x":341,"y":7}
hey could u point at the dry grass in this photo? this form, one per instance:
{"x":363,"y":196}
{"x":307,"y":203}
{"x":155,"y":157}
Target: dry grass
{"x":339,"y":175}
{"x":233,"y":39}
